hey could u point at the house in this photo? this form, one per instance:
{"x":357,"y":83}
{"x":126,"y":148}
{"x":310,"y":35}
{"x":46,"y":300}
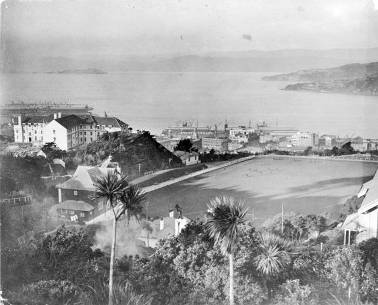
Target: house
{"x":188,"y":158}
{"x":218,"y":144}
{"x":73,"y":130}
{"x":163,"y":228}
{"x":74,"y":210}
{"x":364,"y":224}
{"x":327,"y":141}
{"x":81,"y":186}
{"x":31,"y":129}
{"x":304,"y":139}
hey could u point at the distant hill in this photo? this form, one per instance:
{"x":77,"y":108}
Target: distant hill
{"x":361,"y":79}
{"x":361,"y":86}
{"x":345,"y":72}
{"x":236,"y":61}
{"x":81,"y":71}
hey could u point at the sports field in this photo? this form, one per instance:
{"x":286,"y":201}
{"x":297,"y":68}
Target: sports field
{"x":264,"y":184}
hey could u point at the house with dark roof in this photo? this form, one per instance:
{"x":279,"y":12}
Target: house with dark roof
{"x":74,"y":130}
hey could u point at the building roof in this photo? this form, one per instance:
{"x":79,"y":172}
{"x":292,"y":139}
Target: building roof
{"x":75,"y":205}
{"x":38,"y":119}
{"x":73,"y":120}
{"x":70,"y":121}
{"x":371,"y":194}
{"x":84,"y":178}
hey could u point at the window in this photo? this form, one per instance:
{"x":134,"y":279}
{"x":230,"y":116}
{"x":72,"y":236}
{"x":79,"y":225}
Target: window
{"x":35,"y":131}
{"x":91,"y":132}
{"x":75,"y":192}
{"x":72,"y":212}
{"x":85,"y":133}
{"x":53,"y":131}
{"x":54,"y":139}
{"x":82,"y":214}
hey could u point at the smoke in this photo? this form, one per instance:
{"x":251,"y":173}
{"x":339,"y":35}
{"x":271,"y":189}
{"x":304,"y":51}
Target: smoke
{"x":127,"y":233}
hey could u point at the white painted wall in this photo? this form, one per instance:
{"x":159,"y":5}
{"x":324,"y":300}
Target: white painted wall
{"x":54,"y":132}
{"x":370,"y":222}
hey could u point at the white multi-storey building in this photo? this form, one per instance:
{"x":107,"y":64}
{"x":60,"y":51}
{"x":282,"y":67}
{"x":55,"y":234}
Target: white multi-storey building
{"x":304,"y":139}
{"x":31,"y":129}
{"x":71,"y":131}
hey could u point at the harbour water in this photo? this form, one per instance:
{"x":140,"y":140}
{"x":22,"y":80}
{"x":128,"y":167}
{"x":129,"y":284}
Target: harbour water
{"x":152,"y":101}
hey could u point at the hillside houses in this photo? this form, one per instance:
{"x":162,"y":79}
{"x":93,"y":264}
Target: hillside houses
{"x":76,"y":196}
{"x":163,"y":227}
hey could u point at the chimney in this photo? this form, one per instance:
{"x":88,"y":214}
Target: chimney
{"x":161,"y":224}
{"x":55,"y":116}
{"x":19,"y":120}
{"x":171,"y":213}
{"x":59,"y":115}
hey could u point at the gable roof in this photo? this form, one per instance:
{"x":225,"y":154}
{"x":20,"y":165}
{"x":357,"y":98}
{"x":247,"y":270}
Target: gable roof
{"x":84,"y":178}
{"x":371,"y":194}
{"x":73,"y":120}
{"x":75,"y":205}
{"x":70,"y":121}
{"x":38,"y":119}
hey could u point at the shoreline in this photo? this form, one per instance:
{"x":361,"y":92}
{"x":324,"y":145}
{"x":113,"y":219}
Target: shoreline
{"x":321,"y":158}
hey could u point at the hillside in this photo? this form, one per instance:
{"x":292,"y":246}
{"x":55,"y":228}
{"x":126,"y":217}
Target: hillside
{"x":362,"y":86}
{"x":133,"y":152}
{"x":361,"y":79}
{"x":236,"y":61}
{"x":351,"y":71}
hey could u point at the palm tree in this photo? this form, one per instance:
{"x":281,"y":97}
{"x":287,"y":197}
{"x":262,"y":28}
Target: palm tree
{"x":272,"y":258}
{"x":111,"y":187}
{"x":131,"y":203}
{"x":224,"y":218}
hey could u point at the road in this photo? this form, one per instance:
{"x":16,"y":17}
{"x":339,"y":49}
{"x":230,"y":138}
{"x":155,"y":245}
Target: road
{"x":108,"y":215}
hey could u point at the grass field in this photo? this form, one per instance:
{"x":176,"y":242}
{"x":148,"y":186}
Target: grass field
{"x":302,"y":186}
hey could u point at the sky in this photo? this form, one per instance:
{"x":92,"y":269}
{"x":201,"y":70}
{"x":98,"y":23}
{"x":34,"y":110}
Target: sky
{"x":147,"y":27}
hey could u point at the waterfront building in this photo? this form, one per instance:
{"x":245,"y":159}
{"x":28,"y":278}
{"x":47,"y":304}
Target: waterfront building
{"x":72,"y":131}
{"x":327,"y":141}
{"x":240,"y":134}
{"x":304,"y":139}
{"x":217,"y":144}
{"x":187,"y":131}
